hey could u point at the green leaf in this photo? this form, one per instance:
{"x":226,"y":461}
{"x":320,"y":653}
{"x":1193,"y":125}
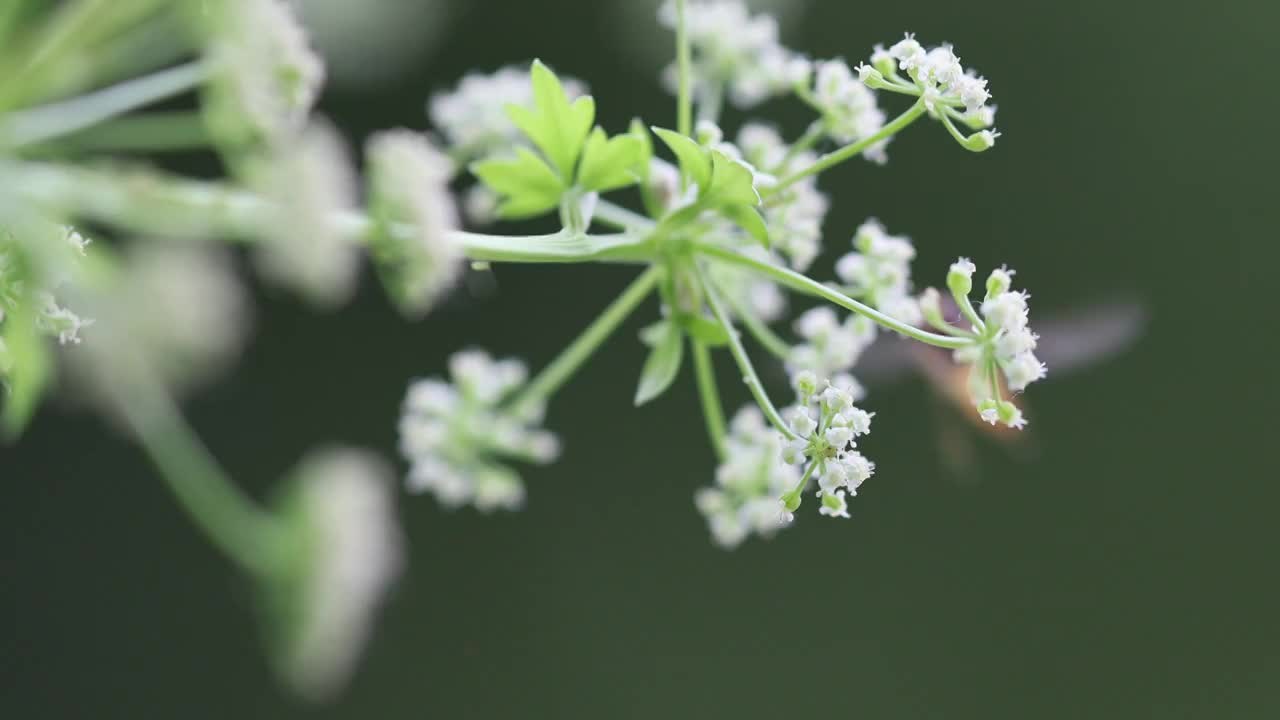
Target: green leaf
{"x":662,"y":365}
{"x":749,"y":219}
{"x":529,"y":187}
{"x":559,"y":128}
{"x":610,"y":163}
{"x":692,"y":157}
{"x":704,"y":329}
{"x":732,"y":182}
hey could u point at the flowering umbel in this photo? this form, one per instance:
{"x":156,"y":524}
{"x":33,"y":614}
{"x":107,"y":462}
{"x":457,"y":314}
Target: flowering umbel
{"x":724,"y":226}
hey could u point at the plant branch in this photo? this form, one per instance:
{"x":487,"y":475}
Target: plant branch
{"x":709,"y":393}
{"x":556,"y":374}
{"x":803,"y":284}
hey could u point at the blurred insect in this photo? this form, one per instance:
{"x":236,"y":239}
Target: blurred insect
{"x":1069,"y":342}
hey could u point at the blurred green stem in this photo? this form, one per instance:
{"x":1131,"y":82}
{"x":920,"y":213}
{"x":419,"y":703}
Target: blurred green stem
{"x":45,"y":123}
{"x":684,"y":62}
{"x":709,"y":392}
{"x":152,"y":132}
{"x":234,"y":523}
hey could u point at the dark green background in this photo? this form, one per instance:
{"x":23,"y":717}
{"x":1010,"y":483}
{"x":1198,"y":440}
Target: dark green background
{"x":1126,"y":570}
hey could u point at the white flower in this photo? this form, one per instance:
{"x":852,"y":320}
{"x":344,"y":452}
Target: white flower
{"x":831,"y":346}
{"x":1008,"y":344}
{"x":415,"y":218}
{"x":310,"y":179}
{"x":848,"y":107}
{"x":879,"y":271}
{"x":734,"y":48}
{"x":796,"y":216}
{"x":343,"y":513}
{"x":834,"y":504}
{"x":473,"y":117}
{"x":268,"y":77}
{"x":749,"y":482}
{"x":833,"y":425}
{"x":454,"y":433}
{"x":59,"y":321}
{"x":939,"y":75}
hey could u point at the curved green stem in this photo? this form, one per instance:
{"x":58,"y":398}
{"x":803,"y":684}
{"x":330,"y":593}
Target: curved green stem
{"x":684,"y":62}
{"x":836,"y":157}
{"x":45,"y":123}
{"x":556,"y":374}
{"x":234,"y":523}
{"x":810,"y":138}
{"x":763,"y":334}
{"x":803,"y":284}
{"x":709,"y":392}
{"x":740,"y":356}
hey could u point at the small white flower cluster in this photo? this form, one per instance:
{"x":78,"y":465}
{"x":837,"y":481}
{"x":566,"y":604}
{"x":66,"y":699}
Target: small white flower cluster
{"x":451,"y":433}
{"x":879,"y":271}
{"x":33,"y":271}
{"x":473,"y":118}
{"x":828,"y":425}
{"x":848,"y":108}
{"x":343,"y":505}
{"x":830,"y":346}
{"x":310,"y":179}
{"x":795,"y":218}
{"x":415,"y":216}
{"x":268,"y":77}
{"x":749,"y":482}
{"x":941,"y":80}
{"x":1008,"y":342}
{"x":737,"y":50}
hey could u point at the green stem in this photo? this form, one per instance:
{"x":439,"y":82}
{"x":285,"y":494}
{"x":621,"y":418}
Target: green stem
{"x":620,"y":217}
{"x":154,"y":132}
{"x":803,"y":284}
{"x":836,"y":157}
{"x":45,"y":123}
{"x":711,"y":102}
{"x":684,"y":61}
{"x":763,"y":334}
{"x":793,"y":497}
{"x":810,"y":138}
{"x":749,"y":375}
{"x":175,"y":208}
{"x":555,"y":375}
{"x":709,"y":392}
{"x":234,"y":523}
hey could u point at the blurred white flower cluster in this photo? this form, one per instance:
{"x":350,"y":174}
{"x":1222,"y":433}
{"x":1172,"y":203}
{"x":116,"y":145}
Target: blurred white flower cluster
{"x":454,"y":433}
{"x":849,"y":109}
{"x":879,"y":271}
{"x":749,"y":482}
{"x":473,"y":119}
{"x":341,"y":509}
{"x":736,"y":50}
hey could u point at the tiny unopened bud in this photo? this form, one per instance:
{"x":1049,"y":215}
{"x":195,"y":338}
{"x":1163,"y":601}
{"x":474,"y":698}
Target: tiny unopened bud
{"x":960,"y":277}
{"x":999,"y":281}
{"x":870,"y":76}
{"x":980,"y":141}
